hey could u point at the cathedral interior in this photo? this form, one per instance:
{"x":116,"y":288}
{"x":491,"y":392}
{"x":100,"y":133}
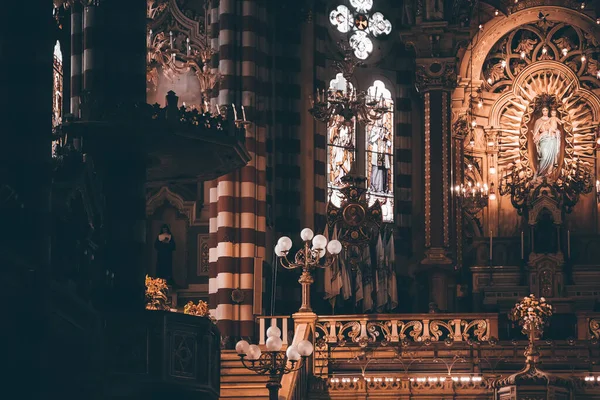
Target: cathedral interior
{"x":301,"y":199}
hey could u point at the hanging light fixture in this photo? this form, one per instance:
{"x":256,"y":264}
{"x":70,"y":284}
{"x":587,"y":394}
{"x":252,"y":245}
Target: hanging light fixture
{"x":344,"y":106}
{"x":473,"y":195}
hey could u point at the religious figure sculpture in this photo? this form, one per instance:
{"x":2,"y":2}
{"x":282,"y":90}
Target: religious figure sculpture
{"x":165,"y":246}
{"x":340,"y":154}
{"x":547,"y":137}
{"x":380,"y":159}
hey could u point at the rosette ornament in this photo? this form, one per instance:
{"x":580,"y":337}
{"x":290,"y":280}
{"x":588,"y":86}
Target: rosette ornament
{"x":316,"y":252}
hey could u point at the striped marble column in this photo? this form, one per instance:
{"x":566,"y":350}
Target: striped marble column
{"x":286,"y":125}
{"x":238,"y":200}
{"x":212,"y":249}
{"x":404,"y":155}
{"x":92,"y":58}
{"x":226,"y":263}
{"x":76,"y":57}
{"x":227,"y":251}
{"x":252,"y":176}
{"x":322,"y":82}
{"x":214,"y":43}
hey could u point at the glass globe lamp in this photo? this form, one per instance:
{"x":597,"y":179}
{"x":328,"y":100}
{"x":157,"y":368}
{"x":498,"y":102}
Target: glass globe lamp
{"x":307,"y":234}
{"x":319,"y":242}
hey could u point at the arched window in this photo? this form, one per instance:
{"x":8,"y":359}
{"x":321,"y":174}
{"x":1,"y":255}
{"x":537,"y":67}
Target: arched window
{"x":340,"y":148}
{"x":57,"y":91}
{"x":379,"y":157}
{"x":57,"y":94}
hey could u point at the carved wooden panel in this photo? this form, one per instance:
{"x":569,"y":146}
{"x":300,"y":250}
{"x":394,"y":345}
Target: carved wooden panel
{"x":202,"y":255}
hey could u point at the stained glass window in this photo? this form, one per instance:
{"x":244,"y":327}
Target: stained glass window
{"x":361,"y":24}
{"x":57,"y":80}
{"x":57,"y":91}
{"x":340,"y":148}
{"x":379,"y":158}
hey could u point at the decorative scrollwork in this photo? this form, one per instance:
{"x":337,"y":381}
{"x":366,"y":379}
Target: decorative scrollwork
{"x":480,"y":331}
{"x":342,"y":331}
{"x":436,"y":332}
{"x":415,"y":333}
{"x":595,"y":328}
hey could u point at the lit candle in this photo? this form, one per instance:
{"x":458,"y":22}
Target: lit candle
{"x":171,"y":39}
{"x":491,"y":244}
{"x":234,"y":112}
{"x":243,"y":113}
{"x":205,"y":106}
{"x":188,"y":46}
{"x":149,"y":37}
{"x":522,"y":246}
{"x":569,"y":244}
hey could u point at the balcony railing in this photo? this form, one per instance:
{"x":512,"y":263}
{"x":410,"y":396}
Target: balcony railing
{"x":284,"y":322}
{"x":365,"y":330}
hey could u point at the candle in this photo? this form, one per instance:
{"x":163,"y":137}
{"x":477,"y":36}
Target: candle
{"x":491,"y":244}
{"x":569,"y":244}
{"x":205,"y":106}
{"x":234,"y":112}
{"x":171,"y":39}
{"x":188,"y":46}
{"x":522,"y":246}
{"x":150,"y":38}
{"x":243,"y":113}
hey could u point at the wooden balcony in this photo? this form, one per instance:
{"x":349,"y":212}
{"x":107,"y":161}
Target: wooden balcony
{"x":158,"y":355}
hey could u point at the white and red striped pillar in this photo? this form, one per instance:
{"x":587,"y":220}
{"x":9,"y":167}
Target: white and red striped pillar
{"x":76,"y":57}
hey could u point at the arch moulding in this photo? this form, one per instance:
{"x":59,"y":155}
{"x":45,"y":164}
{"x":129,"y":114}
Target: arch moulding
{"x":557,"y":68}
{"x":165,"y":195}
{"x":497,"y":27}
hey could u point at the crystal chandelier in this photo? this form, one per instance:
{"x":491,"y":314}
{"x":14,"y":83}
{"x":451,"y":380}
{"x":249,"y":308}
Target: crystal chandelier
{"x":345,"y":106}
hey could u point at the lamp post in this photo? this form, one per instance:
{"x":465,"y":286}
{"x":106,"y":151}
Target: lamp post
{"x":274,"y":361}
{"x":308,"y":258}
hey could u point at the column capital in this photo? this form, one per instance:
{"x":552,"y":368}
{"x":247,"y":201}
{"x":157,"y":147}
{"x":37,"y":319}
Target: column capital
{"x":436,"y":74}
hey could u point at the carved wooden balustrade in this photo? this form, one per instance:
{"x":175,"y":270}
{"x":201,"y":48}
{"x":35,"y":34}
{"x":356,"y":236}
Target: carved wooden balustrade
{"x":364,"y":330}
{"x":285,"y":323}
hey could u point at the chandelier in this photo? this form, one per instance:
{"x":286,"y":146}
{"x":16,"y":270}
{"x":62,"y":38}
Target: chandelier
{"x":575,"y":179}
{"x":344,"y":106}
{"x":474,"y":197}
